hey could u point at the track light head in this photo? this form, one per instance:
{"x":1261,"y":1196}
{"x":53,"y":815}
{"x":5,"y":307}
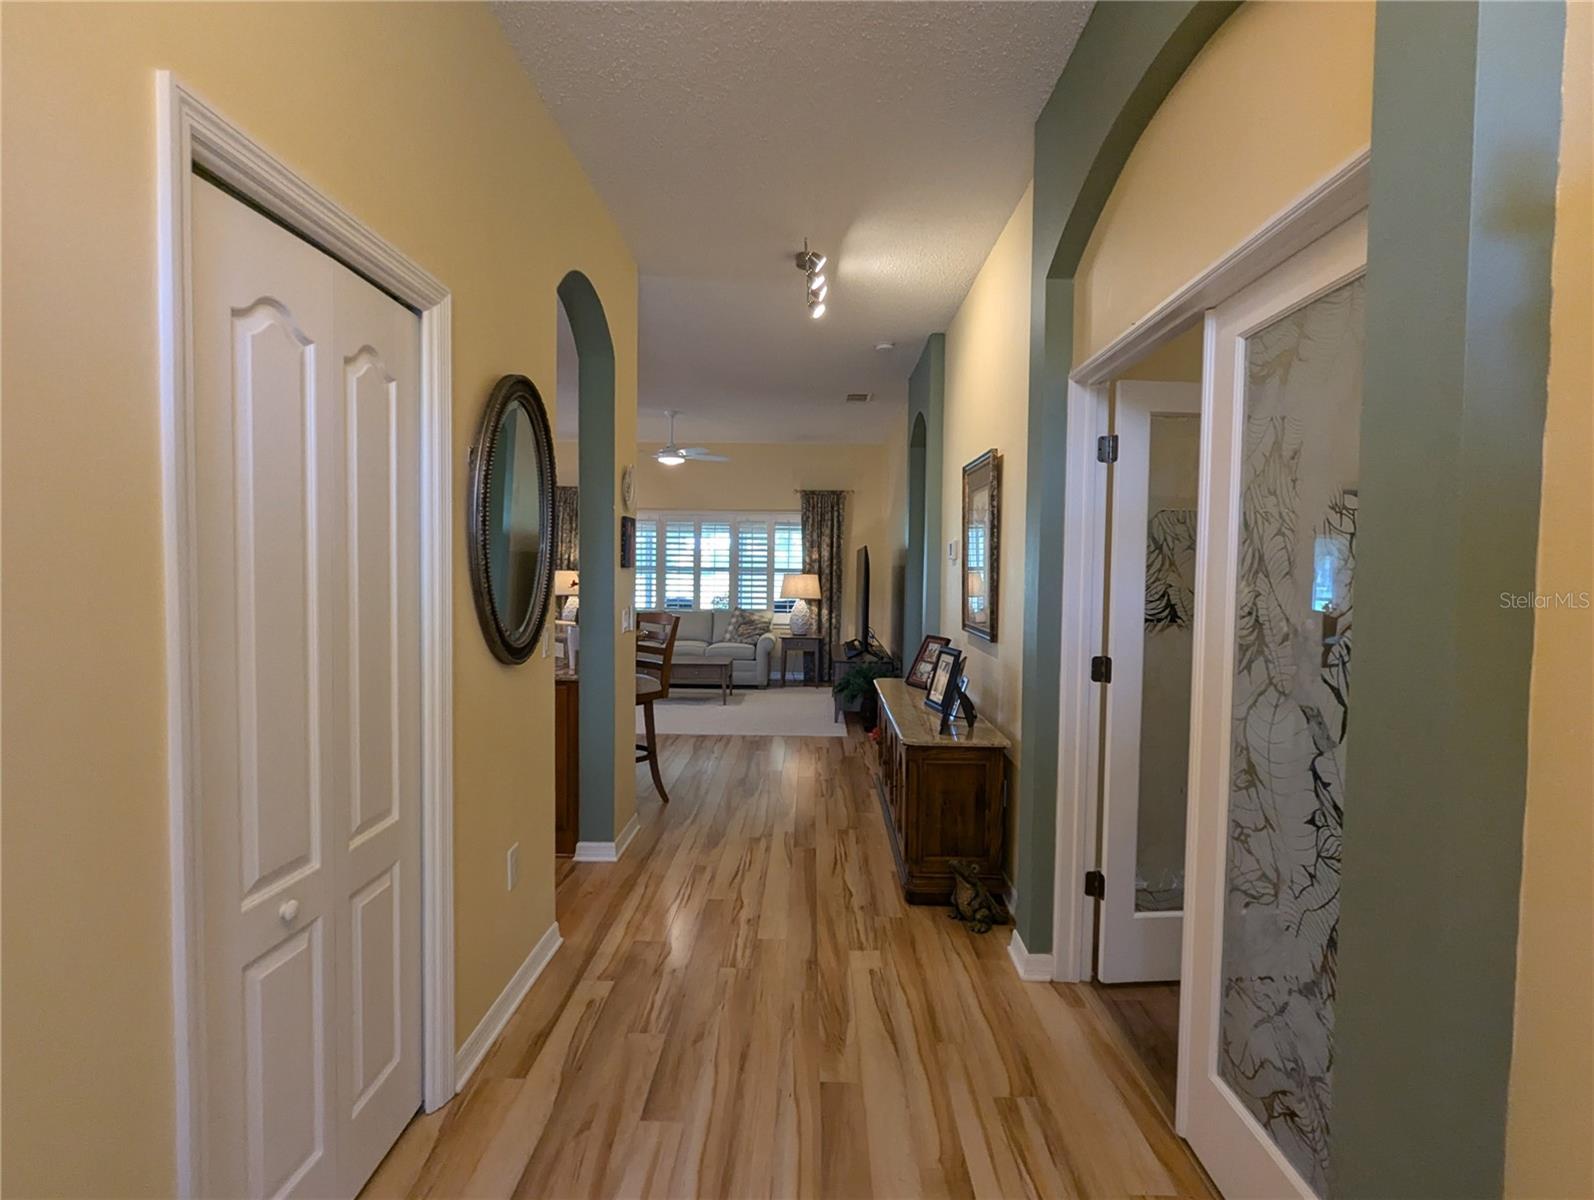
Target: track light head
{"x":812,"y":264}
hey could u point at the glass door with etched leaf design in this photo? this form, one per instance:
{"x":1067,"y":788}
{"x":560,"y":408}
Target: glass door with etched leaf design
{"x":1270,"y":721}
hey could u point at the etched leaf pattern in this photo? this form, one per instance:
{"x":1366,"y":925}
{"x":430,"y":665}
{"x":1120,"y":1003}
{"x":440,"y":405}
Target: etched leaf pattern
{"x":1291,"y":694}
{"x":1170,"y":569}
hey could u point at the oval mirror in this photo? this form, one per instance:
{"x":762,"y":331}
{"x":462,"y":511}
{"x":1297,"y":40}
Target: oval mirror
{"x":511,"y":518}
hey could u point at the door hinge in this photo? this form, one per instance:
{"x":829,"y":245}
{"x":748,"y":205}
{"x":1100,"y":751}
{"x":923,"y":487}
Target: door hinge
{"x":1096,"y":885}
{"x":1101,"y":669}
{"x":1107,"y":448}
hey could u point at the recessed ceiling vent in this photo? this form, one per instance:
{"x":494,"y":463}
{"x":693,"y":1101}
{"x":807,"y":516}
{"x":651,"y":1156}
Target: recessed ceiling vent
{"x":859,"y":397}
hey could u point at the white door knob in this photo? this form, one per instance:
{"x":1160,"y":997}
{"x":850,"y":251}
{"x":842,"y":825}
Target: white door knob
{"x":288,"y":911}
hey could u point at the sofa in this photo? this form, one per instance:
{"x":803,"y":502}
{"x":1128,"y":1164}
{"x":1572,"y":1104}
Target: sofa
{"x":701,"y":634}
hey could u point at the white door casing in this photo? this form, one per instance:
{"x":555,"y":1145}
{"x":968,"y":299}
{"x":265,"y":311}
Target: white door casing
{"x":307,"y":722}
{"x":192,"y":135}
{"x":1327,"y":203}
{"x":1232,"y":1145}
{"x":1134,"y":946}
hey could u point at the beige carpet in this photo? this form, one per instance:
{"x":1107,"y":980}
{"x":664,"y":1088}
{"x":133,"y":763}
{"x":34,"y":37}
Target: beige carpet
{"x":772,"y":712}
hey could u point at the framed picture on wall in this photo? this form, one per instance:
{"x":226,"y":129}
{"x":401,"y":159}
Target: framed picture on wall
{"x":982,"y":526}
{"x":628,"y":541}
{"x":924,"y":662}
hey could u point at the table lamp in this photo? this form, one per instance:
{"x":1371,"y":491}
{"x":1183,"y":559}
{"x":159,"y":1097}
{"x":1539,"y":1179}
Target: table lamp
{"x":801,"y":588}
{"x":568,"y":583}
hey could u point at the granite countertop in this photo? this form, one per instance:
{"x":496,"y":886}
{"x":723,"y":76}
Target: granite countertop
{"x":918,"y":725}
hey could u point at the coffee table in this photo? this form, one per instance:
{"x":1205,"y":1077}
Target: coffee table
{"x":703,"y":670}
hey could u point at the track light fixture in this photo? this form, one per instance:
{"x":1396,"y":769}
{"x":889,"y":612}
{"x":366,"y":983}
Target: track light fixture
{"x":812,"y":264}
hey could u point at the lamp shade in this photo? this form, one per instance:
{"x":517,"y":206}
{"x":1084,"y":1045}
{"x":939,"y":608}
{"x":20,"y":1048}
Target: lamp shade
{"x":566,"y":583}
{"x":799,"y":587}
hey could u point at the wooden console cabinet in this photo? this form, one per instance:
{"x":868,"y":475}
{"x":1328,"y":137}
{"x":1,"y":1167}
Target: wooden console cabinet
{"x":944,"y":796}
{"x":566,"y":762}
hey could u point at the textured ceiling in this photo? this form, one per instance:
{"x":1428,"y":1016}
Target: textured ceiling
{"x":896,"y":137}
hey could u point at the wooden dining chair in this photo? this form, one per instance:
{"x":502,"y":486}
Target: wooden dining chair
{"x":647,"y":751}
{"x":655,"y":647}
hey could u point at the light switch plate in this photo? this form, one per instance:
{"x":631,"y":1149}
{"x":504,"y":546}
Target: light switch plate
{"x":512,"y":868}
{"x":952,"y":551}
{"x":627,"y":619}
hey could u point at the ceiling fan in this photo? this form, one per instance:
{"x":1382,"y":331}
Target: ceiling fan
{"x":671,"y":455}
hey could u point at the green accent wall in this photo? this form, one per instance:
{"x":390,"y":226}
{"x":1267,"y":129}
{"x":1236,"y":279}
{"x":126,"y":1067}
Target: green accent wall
{"x":1127,"y":60}
{"x":921,"y":603}
{"x":599,"y":544}
{"x":1466,"y":118}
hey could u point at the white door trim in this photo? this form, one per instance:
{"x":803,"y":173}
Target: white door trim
{"x":191,"y":132}
{"x":1330,"y":202}
{"x":1131,"y":946}
{"x":1206,"y":1110}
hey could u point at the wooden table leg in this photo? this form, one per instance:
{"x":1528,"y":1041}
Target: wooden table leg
{"x":653,"y":750}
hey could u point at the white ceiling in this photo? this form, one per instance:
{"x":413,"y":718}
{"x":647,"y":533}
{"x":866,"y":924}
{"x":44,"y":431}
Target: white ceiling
{"x":895,"y":136}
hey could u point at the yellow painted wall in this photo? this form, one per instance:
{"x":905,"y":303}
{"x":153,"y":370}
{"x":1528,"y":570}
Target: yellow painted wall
{"x":987,"y":407}
{"x":1280,"y":96}
{"x":1550,"y":1122}
{"x":765,"y":477}
{"x":418,"y":119}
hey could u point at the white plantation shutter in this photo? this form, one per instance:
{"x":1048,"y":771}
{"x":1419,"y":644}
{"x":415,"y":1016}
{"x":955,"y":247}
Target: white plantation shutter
{"x":647,"y":564}
{"x":788,"y":558}
{"x":752,"y":565}
{"x":718,"y":561}
{"x":680,"y":564}
{"x":714,"y":564}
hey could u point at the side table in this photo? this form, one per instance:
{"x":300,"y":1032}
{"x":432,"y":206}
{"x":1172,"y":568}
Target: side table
{"x":804,"y":645}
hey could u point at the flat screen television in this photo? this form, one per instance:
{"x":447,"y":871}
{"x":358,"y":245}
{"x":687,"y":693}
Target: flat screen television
{"x":861,"y":628}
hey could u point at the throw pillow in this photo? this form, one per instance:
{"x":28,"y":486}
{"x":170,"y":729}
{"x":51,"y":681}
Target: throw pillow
{"x":747,"y":627}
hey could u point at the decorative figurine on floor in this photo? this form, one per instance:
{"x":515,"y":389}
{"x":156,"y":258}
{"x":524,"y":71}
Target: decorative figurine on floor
{"x":972,"y":902}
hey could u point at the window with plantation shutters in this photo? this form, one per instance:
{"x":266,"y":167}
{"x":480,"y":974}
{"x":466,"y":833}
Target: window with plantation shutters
{"x":647,"y":564}
{"x":714,"y":564}
{"x":680,"y":564}
{"x":788,"y":558}
{"x":752,"y":565}
{"x":717,"y":560}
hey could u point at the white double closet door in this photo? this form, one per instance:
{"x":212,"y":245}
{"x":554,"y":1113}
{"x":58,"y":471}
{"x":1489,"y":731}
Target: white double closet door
{"x":306,"y":433}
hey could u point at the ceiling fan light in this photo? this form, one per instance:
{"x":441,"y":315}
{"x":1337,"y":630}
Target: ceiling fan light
{"x":669,"y":459}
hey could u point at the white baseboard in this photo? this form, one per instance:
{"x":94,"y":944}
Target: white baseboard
{"x":1032,"y":967}
{"x":607,"y":851}
{"x":470,"y":1055}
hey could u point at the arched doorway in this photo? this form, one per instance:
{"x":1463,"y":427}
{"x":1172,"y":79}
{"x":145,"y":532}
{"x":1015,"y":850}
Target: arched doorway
{"x":600,"y":572}
{"x":913,"y":604}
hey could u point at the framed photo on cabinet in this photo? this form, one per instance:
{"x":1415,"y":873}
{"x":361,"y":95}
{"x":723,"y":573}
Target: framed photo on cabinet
{"x":924,"y":662}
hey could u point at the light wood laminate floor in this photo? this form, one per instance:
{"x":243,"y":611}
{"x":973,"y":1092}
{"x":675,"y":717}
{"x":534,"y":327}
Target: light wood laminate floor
{"x":745,"y":1007}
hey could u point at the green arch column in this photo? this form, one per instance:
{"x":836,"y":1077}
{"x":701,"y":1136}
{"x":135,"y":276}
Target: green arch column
{"x":600,"y":558}
{"x":921,"y":602}
{"x":1127,"y":60}
{"x":1466,"y":112}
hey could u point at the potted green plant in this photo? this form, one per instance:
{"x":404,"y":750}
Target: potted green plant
{"x":854,"y":688}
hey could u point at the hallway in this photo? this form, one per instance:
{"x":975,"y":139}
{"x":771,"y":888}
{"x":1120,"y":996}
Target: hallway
{"x":744,"y":1006}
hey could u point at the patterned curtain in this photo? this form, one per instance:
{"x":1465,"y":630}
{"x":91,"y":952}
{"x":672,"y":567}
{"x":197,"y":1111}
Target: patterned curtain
{"x":567,"y":529}
{"x":824,"y":524}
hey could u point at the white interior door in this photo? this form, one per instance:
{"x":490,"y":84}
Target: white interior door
{"x":1277,"y":523}
{"x":1149,"y":638}
{"x":305,"y":498}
